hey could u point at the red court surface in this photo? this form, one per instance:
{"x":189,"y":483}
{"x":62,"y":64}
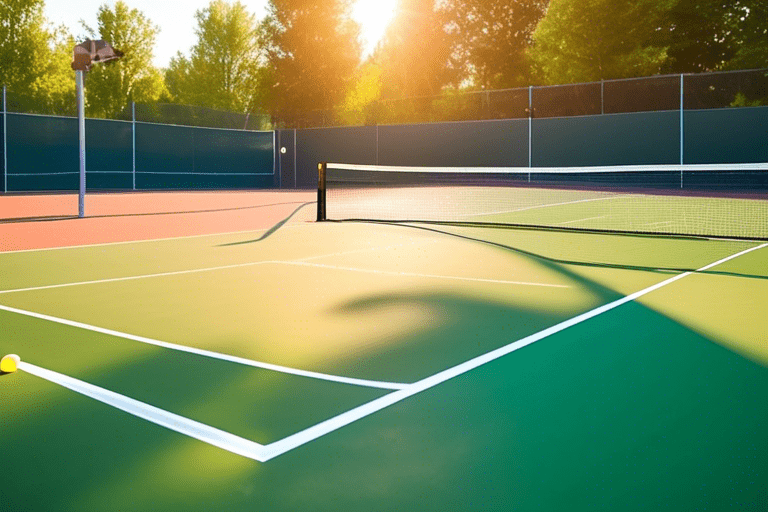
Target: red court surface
{"x":50,"y":220}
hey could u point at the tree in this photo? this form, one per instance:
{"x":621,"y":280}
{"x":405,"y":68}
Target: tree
{"x":709,"y":35}
{"x":415,"y":54}
{"x":23,"y":43}
{"x":313,"y":51}
{"x":54,"y":89}
{"x":589,"y":40}
{"x":360,"y":103}
{"x":490,"y":39}
{"x":113,"y":86}
{"x":224,"y":68}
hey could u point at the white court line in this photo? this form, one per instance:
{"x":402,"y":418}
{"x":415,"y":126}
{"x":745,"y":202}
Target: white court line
{"x":125,"y":242}
{"x":263,"y":453}
{"x":582,"y":220}
{"x":299,"y":262}
{"x":310,"y":434}
{"x":412,"y":274}
{"x":367,"y":249}
{"x":208,"y":353}
{"x":180,"y":424}
{"x":535,"y":207}
{"x":131,"y":278}
{"x":182,"y":272}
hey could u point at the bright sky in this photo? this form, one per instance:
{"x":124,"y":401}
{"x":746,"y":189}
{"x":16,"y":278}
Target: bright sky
{"x":176,"y":19}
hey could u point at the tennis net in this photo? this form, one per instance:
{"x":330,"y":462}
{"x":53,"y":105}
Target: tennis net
{"x":720,"y":200}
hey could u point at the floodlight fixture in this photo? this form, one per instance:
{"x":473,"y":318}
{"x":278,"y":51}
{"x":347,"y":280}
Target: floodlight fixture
{"x":89,"y":52}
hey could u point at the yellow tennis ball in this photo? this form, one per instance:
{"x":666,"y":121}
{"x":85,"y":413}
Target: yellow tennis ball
{"x":10,"y":363}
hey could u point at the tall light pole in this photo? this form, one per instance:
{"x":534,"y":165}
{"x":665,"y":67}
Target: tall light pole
{"x":84,"y":56}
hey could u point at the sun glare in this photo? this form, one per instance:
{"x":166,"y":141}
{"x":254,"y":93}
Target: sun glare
{"x":373,"y":17}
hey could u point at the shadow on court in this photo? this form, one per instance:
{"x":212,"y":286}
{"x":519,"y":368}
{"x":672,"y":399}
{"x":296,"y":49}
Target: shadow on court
{"x":579,"y":263}
{"x":146,"y":214}
{"x":628,"y":411}
{"x":271,"y":230}
{"x":629,"y":404}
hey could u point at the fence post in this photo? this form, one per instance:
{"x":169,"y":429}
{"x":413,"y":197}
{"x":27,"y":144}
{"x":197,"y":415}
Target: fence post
{"x":5,"y":143}
{"x":133,"y":143}
{"x":682,"y":139}
{"x":530,"y":129}
{"x":602,"y":96}
{"x":81,"y":135}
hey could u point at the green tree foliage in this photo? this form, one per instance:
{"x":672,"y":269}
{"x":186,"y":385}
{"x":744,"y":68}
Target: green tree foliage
{"x":360,"y":103}
{"x":415,"y":54}
{"x":313,"y":51}
{"x":224,"y":68}
{"x":490,"y":39}
{"x":589,"y":40}
{"x":24,"y":50}
{"x":35,"y":60}
{"x":111,"y":87}
{"x":54,"y":89}
{"x":753,"y":50}
{"x":708,"y":35}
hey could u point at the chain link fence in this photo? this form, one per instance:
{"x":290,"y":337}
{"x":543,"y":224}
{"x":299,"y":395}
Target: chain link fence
{"x":160,"y":113}
{"x":647,"y":94}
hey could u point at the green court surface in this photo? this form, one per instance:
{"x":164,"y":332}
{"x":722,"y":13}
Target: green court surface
{"x":495,"y":369}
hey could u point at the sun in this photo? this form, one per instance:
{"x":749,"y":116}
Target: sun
{"x":373,"y":17}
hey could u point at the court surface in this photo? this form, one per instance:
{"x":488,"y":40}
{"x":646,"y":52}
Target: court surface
{"x":248,"y":358}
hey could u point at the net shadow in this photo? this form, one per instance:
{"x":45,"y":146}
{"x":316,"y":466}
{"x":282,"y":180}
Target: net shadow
{"x":431,"y":227}
{"x":271,"y":230}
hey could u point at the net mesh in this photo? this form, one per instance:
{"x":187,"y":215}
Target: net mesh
{"x":729,"y":201}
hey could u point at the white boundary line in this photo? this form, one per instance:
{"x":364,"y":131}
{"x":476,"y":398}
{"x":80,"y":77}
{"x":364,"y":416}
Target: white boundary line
{"x":582,"y":220}
{"x":131,"y":278}
{"x":302,"y":262}
{"x":297,"y":263}
{"x":124,"y":242}
{"x":300,"y":438}
{"x":549,"y":205}
{"x":208,"y":353}
{"x":411,"y":274}
{"x":186,"y":426}
{"x":263,"y":453}
{"x":105,"y":244}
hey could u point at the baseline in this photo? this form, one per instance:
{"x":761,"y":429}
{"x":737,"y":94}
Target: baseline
{"x":169,"y":420}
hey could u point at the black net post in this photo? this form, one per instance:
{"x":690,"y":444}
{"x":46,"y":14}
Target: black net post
{"x":321,"y":171}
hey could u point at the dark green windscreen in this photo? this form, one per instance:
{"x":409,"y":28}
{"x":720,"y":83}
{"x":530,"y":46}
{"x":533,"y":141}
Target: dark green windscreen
{"x":42,"y":153}
{"x":170,"y":156}
{"x":351,"y":144}
{"x":461,"y":144}
{"x":616,"y":139}
{"x":109,"y":154}
{"x":726,"y":135}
